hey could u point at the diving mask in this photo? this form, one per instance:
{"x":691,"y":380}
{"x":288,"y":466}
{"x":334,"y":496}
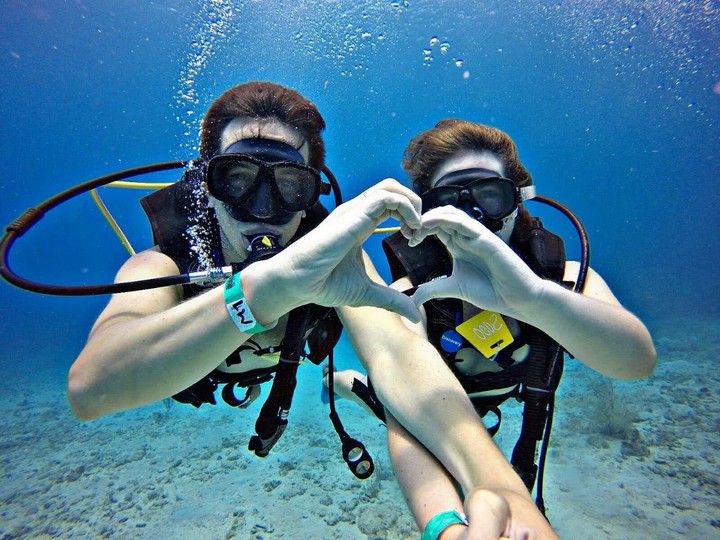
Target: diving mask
{"x":481,"y":193}
{"x":263,"y":180}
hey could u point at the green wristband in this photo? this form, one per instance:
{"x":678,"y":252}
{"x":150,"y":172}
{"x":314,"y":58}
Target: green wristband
{"x":238,"y":307}
{"x":440,"y":522}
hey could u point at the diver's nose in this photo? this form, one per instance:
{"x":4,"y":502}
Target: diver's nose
{"x":468,"y":205}
{"x":263,"y":205}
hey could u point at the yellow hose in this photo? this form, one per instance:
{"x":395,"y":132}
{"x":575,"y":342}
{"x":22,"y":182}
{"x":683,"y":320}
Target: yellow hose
{"x":111,"y":221}
{"x":139,"y":185}
{"x":386,"y":230}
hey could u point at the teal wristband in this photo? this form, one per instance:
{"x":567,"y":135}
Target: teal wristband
{"x":238,"y":308}
{"x":440,"y":522}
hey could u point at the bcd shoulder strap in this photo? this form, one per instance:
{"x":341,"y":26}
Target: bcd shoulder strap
{"x":544,"y":252}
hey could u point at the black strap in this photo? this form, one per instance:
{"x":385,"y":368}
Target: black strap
{"x":492,"y":430}
{"x":367,"y":394}
{"x":544,"y":371}
{"x":229,"y":397}
{"x":272,"y":421}
{"x":201,"y":392}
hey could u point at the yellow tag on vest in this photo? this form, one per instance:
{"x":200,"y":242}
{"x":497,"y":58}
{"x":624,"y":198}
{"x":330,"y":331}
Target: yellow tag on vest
{"x":487,"y":332}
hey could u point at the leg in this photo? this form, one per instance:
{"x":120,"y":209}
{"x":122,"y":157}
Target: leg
{"x":343,"y":383}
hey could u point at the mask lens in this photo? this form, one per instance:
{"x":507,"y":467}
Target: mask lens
{"x":496,"y":198}
{"x":298,"y":185}
{"x":440,"y":196}
{"x":230,"y":177}
{"x":233,"y":178}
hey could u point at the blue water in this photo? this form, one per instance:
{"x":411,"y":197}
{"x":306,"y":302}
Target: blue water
{"x":615,"y":107}
{"x":612,"y":107}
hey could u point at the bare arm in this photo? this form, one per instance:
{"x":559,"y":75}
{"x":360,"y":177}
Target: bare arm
{"x":147,"y":345}
{"x":593,"y":327}
{"x":500,"y":508}
{"x":416,"y":387}
{"x":449,"y":442}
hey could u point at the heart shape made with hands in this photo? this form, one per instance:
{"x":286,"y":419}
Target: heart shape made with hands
{"x":486,"y":271}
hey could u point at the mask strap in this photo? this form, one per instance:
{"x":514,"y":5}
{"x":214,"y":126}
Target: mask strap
{"x":527,"y":192}
{"x":267,"y":150}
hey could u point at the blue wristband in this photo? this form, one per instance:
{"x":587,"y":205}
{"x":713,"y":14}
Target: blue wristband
{"x":238,"y":308}
{"x":440,"y":522}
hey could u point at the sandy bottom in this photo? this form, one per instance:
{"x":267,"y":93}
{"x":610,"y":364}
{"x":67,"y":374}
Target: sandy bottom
{"x":627,"y":460}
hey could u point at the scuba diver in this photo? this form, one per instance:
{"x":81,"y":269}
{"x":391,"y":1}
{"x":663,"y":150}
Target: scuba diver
{"x":291,"y":273}
{"x":500,"y":303}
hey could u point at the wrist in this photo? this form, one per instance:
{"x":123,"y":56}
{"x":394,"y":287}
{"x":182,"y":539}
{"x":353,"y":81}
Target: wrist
{"x":441,"y":522}
{"x":265,"y":291}
{"x":536,"y":302}
{"x":239,"y":310}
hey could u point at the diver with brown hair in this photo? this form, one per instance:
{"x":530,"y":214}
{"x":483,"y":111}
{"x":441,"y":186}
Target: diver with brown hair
{"x":498,"y":302}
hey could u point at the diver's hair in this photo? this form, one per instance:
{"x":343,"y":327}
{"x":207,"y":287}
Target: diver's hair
{"x":264,"y":100}
{"x":429,"y":149}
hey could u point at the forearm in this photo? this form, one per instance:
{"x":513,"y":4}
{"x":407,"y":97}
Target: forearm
{"x":142,"y":360}
{"x":418,"y":389}
{"x":592,"y":326}
{"x":144,"y":351}
{"x":604,"y":336}
{"x":426,"y":485}
{"x":429,"y":491}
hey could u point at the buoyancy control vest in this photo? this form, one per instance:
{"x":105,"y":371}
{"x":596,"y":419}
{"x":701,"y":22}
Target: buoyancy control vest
{"x":185,"y":229}
{"x":531,"y":378}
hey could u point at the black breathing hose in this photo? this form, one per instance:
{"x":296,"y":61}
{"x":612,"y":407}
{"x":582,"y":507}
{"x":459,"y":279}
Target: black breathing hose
{"x":31,"y":216}
{"x":582,"y":234}
{"x":556,"y":363}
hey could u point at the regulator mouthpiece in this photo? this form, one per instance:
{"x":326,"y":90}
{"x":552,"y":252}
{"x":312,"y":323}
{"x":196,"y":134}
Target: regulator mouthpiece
{"x":263,"y":246}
